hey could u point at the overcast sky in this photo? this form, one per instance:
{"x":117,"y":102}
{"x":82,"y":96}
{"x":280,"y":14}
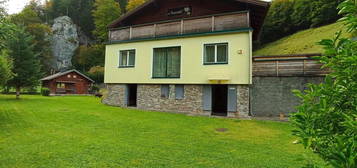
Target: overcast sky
{"x":15,"y":6}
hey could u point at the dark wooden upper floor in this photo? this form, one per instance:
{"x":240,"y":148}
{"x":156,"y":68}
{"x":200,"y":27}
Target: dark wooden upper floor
{"x":176,"y":17}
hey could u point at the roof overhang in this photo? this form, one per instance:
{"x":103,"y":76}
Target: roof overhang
{"x":64,"y":73}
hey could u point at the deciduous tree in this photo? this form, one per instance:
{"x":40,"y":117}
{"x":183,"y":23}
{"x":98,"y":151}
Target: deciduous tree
{"x":105,"y":12}
{"x":132,"y":4}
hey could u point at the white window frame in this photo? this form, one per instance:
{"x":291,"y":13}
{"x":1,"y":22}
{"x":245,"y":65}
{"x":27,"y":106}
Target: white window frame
{"x":215,"y":53}
{"x":127,"y":59}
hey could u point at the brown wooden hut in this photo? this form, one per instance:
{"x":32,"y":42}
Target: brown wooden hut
{"x":69,"y":82}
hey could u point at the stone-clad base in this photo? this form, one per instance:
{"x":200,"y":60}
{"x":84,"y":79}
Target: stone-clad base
{"x":149,"y":98}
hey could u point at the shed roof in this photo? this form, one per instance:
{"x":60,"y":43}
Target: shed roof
{"x":64,"y":73}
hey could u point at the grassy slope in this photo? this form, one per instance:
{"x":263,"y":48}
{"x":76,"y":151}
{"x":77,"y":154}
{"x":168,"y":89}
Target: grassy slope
{"x":301,"y":42}
{"x":80,"y":132}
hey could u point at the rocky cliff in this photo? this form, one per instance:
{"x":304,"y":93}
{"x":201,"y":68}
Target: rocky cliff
{"x":64,"y":43}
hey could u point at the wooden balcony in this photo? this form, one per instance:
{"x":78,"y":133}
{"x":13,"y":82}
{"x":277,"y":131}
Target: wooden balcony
{"x":186,"y":26}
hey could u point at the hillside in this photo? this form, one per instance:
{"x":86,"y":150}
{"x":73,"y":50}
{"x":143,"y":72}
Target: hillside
{"x":301,"y":42}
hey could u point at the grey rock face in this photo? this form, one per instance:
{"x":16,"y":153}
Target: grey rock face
{"x":65,"y":41}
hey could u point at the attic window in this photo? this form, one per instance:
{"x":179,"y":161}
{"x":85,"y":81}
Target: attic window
{"x":68,"y":76}
{"x":187,"y":10}
{"x":74,"y":76}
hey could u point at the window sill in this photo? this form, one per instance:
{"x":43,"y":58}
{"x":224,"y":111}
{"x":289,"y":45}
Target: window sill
{"x":126,"y":67}
{"x":218,"y":63}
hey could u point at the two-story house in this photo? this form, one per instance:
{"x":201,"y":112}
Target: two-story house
{"x":189,"y":56}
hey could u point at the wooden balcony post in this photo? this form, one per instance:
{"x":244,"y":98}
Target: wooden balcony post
{"x":131,"y":32}
{"x":182,"y":24}
{"x":213,"y":23}
{"x":277,"y":68}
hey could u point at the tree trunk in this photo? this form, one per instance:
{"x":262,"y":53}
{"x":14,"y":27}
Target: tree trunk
{"x":18,"y":92}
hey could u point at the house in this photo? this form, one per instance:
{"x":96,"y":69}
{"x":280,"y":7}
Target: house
{"x":69,"y":82}
{"x":187,"y":56}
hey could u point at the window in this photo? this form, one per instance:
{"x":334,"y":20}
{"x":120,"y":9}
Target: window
{"x":165,"y":91}
{"x":127,"y":58}
{"x":74,"y":76}
{"x":61,"y":85}
{"x":68,"y":76}
{"x":167,"y":62}
{"x":179,"y":91}
{"x":216,"y":53}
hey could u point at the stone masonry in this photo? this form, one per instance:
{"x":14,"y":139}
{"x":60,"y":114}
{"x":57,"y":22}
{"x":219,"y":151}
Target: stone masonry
{"x":149,"y":98}
{"x":115,"y":96}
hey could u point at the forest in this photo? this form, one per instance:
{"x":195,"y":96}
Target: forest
{"x":26,"y":38}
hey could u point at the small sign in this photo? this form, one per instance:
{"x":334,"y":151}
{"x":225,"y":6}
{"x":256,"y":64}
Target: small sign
{"x":180,"y":11}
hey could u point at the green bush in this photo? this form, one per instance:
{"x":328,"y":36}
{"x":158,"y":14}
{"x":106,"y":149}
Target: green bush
{"x":326,"y":121}
{"x":45,"y":92}
{"x":94,"y":89}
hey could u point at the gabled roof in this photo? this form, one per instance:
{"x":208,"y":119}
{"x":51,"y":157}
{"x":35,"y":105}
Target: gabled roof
{"x":64,"y":73}
{"x":147,"y":3}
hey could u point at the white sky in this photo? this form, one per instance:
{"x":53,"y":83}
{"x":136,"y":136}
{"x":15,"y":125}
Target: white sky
{"x":15,"y":6}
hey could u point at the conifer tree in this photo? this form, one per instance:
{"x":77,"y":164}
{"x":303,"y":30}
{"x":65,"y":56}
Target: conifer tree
{"x":26,"y":65}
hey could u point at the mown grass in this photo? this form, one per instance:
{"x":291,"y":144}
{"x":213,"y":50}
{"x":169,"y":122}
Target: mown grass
{"x":81,"y":132}
{"x":302,"y":42}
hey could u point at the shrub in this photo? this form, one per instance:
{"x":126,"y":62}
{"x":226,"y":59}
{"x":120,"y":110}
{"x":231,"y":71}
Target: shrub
{"x":326,"y":121}
{"x":94,"y":89}
{"x":97,"y":74}
{"x":45,"y":92}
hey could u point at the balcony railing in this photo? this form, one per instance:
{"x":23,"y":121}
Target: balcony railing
{"x":203,"y":24}
{"x":288,"y":65}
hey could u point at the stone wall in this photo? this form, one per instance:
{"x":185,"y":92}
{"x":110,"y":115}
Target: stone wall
{"x":149,"y":98}
{"x":115,"y":96}
{"x":271,"y":96}
{"x":242,"y":101}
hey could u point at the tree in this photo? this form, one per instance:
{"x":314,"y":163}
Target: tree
{"x":89,"y":56}
{"x":6,"y":31}
{"x":123,"y":4}
{"x":286,"y":17}
{"x":132,"y":4}
{"x":42,"y":33}
{"x":80,"y":11}
{"x":278,"y":22}
{"x":326,"y":121}
{"x":5,"y":68}
{"x":105,"y":12}
{"x":26,"y":65}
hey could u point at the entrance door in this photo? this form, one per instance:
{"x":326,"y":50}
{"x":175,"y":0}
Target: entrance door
{"x":219,"y":100}
{"x":132,"y":95}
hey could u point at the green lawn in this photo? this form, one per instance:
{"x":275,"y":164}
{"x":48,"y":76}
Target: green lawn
{"x":301,"y":42}
{"x":81,"y":132}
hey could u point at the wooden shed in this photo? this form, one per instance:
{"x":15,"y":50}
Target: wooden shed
{"x":69,"y":82}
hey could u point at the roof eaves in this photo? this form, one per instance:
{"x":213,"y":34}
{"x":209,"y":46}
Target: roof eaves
{"x":64,"y":73}
{"x":130,"y":13}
